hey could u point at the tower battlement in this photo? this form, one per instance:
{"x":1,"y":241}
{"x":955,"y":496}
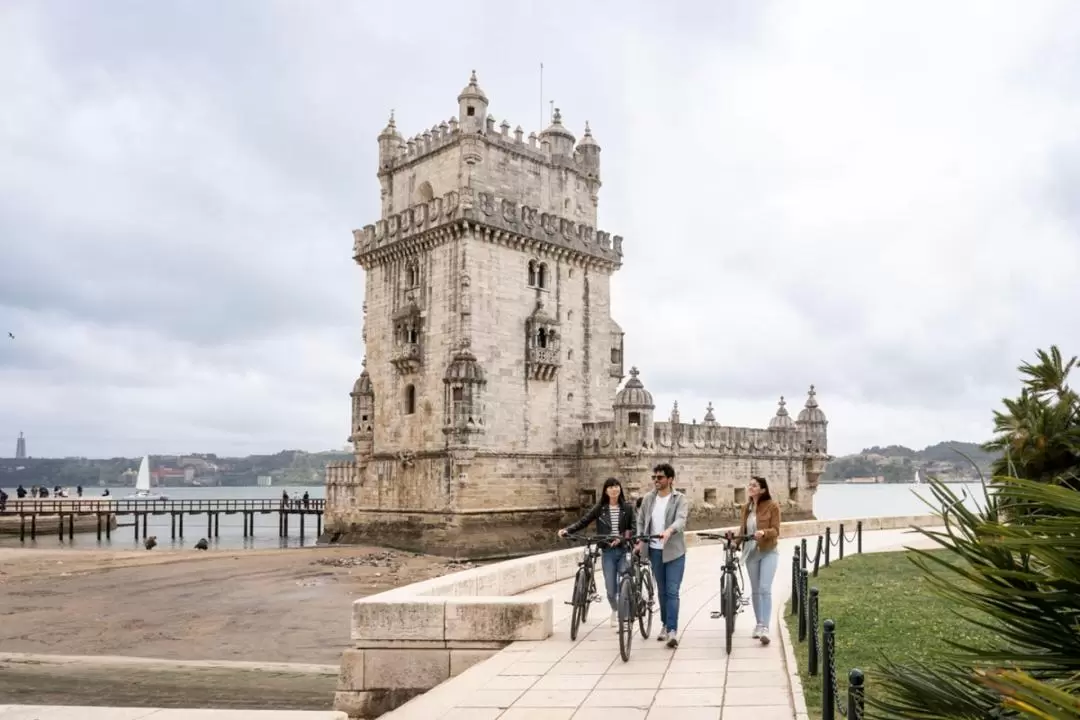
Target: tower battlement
{"x":506,"y":221}
{"x":550,"y":170}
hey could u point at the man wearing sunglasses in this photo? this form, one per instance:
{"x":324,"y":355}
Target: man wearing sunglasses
{"x":663,"y":512}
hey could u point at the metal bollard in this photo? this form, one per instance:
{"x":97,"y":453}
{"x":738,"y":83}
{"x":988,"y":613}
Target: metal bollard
{"x":812,"y":647}
{"x":828,"y":544}
{"x":856,"y":694}
{"x":858,"y":536}
{"x":795,"y":582}
{"x":803,"y":604}
{"x":802,"y":544}
{"x":828,"y":675}
{"x":841,"y":538}
{"x":817,"y":556}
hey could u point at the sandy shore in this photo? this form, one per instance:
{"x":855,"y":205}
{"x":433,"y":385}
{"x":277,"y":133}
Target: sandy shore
{"x":258,"y":605}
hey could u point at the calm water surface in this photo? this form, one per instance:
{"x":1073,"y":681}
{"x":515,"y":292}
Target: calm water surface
{"x":832,"y":502}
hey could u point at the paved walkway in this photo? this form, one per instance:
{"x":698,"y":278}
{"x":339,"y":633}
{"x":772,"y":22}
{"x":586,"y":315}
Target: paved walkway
{"x":62,"y":712}
{"x":557,"y":679}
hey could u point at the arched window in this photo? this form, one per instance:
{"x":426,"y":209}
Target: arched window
{"x":424,"y":193}
{"x":410,"y":399}
{"x":532,"y":273}
{"x":541,"y":338}
{"x":412,"y":336}
{"x":541,"y":276}
{"x":634,"y":418}
{"x":412,"y":275}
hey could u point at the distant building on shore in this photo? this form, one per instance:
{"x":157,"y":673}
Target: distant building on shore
{"x":265,"y":481}
{"x":20,"y":447}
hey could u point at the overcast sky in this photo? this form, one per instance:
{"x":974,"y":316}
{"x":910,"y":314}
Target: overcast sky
{"x":879,"y":198}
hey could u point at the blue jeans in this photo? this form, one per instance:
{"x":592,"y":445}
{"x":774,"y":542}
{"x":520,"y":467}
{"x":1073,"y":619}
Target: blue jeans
{"x":613,"y":561}
{"x":668,"y":582}
{"x":762,"y":569}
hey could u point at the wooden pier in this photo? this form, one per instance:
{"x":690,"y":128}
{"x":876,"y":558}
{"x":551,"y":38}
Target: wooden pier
{"x":29,"y":511}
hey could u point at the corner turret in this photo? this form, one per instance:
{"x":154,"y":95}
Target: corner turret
{"x":472,"y":107}
{"x":560,"y":140}
{"x":634,"y":414}
{"x":588,"y":156}
{"x":363,"y":414}
{"x":389,"y":143}
{"x":782,"y":420}
{"x":464,"y":383}
{"x":812,"y":419}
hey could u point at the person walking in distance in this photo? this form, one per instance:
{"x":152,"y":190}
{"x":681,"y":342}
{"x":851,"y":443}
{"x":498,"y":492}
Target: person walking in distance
{"x":664,"y":512}
{"x":761,"y":520}
{"x":613,"y":516}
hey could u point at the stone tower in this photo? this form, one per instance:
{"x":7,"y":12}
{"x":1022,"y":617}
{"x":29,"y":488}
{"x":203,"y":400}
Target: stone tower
{"x":20,"y":447}
{"x":488,"y":332}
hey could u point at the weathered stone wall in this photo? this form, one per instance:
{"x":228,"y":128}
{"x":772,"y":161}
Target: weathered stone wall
{"x":502,"y":505}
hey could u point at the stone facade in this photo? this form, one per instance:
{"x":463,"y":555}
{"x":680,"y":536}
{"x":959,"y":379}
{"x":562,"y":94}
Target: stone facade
{"x":487,"y":414}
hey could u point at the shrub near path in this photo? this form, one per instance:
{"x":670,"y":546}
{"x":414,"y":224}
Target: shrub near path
{"x":882,"y":606}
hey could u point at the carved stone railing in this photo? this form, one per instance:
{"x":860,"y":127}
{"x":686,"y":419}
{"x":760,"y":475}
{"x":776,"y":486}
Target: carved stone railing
{"x":544,"y":362}
{"x":407,"y":358}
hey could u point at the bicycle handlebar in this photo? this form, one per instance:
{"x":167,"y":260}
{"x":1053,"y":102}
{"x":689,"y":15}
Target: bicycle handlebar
{"x":731,"y":537}
{"x":591,"y":539}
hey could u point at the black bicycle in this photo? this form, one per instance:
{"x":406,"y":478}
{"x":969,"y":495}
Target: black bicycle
{"x":636,"y":595}
{"x":585,"y":580}
{"x":732,"y":600}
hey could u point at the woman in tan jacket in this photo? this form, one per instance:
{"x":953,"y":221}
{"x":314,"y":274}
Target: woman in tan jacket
{"x":761,"y":520}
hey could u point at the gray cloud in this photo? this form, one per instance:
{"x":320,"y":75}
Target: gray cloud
{"x":879,"y":201}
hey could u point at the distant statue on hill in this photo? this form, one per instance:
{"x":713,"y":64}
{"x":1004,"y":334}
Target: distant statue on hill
{"x":151,"y":542}
{"x":202,"y":544}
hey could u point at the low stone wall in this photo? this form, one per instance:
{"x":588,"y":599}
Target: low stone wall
{"x":408,"y":640}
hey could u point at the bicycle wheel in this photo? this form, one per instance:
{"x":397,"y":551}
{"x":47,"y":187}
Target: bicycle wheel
{"x":646,"y":598}
{"x":626,"y":617}
{"x":590,"y":590}
{"x":728,"y":602}
{"x":581,"y":587}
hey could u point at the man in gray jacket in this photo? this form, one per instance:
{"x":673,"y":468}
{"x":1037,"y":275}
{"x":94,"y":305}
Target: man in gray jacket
{"x":663,"y":512}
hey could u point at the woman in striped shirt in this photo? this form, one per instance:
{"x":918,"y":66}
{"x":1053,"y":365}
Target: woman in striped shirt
{"x":614,"y":516}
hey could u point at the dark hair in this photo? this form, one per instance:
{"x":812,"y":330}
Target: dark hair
{"x":764,"y":485}
{"x":612,"y":482}
{"x":666,"y":470}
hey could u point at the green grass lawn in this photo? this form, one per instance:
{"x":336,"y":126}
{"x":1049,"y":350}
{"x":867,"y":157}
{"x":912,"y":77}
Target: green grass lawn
{"x":882,"y":606}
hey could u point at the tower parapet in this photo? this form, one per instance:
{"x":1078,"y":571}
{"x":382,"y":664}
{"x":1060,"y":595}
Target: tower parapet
{"x":500,"y":220}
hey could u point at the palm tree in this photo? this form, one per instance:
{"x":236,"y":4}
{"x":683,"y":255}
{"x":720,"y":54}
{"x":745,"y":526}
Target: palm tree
{"x":1013,"y":568}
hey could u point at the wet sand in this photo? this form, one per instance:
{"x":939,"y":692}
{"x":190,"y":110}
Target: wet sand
{"x":288,"y":606}
{"x":261,"y":605}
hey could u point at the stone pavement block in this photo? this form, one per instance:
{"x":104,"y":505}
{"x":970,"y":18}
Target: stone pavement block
{"x":649,"y":681}
{"x":690,"y":697}
{"x":684,"y":713}
{"x":529,"y":713}
{"x":567,"y":682}
{"x":693,"y":680}
{"x":620,"y":698}
{"x":758,"y":713}
{"x":71,"y":712}
{"x":551,"y":698}
{"x":600,"y":713}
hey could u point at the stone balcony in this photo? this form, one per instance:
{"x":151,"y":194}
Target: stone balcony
{"x":544,"y":362}
{"x":407,"y":358}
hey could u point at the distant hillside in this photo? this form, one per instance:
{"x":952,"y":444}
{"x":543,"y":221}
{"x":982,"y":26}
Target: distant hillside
{"x":289,"y":467}
{"x":897,"y":464}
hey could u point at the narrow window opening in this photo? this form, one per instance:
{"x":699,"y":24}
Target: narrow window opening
{"x":470,"y":111}
{"x":410,"y":400}
{"x":634,"y":419}
{"x":710,"y":495}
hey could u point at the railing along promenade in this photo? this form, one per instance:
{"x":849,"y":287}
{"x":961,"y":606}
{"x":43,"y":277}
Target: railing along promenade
{"x":30,"y":510}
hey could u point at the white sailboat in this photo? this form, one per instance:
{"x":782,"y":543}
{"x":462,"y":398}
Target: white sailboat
{"x":142,"y":483}
{"x":917,"y":480}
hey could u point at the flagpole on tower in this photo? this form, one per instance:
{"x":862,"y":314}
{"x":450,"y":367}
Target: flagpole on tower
{"x":541,"y":96}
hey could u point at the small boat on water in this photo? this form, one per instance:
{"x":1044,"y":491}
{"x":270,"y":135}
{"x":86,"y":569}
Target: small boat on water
{"x":142,"y":483}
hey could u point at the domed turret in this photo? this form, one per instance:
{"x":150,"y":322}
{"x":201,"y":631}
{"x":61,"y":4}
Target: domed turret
{"x":634,"y":395}
{"x":588,"y":153}
{"x":464,"y":383}
{"x":389,"y":141}
{"x":812,"y":414}
{"x":472,"y":107}
{"x":363,"y":413}
{"x":710,"y":417}
{"x":782,"y":420}
{"x":562,"y":140}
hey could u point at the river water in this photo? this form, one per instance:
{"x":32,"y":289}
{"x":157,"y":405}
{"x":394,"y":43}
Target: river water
{"x":832,"y":502}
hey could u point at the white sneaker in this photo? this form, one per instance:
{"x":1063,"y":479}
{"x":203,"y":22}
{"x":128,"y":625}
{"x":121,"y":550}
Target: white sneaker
{"x":757,"y":632}
{"x":764,"y":636}
{"x":614,"y":619}
{"x":662,"y":636}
